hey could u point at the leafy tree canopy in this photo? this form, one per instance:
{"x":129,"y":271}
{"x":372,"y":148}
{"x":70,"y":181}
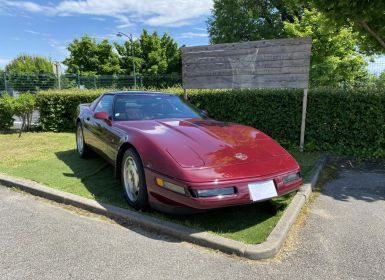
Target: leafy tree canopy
{"x":335,"y":60}
{"x":248,"y":20}
{"x":30,"y":73}
{"x":87,"y":57}
{"x":27,"y":64}
{"x":366,"y":17}
{"x":152,"y":54}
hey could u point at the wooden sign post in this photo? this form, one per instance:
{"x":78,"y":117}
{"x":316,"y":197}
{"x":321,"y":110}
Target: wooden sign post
{"x":303,"y":121}
{"x":281,"y":63}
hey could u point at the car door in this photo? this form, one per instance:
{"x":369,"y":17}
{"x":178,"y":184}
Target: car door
{"x":99,"y":128}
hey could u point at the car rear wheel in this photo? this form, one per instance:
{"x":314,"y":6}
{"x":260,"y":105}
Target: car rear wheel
{"x":133,"y":180}
{"x":82,"y":148}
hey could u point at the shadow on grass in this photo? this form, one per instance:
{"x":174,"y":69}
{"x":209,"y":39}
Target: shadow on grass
{"x":96,"y":176}
{"x":249,"y":223}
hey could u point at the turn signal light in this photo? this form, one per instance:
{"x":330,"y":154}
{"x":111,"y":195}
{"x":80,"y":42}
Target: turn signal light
{"x":170,"y":186}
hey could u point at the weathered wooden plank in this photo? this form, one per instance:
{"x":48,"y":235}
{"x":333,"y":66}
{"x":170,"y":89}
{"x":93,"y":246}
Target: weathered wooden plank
{"x":245,"y":59}
{"x":214,"y":71}
{"x":248,"y":45}
{"x":266,"y":64}
{"x":250,"y":52}
{"x":277,"y":84}
{"x":266,"y":77}
{"x":248,"y":81}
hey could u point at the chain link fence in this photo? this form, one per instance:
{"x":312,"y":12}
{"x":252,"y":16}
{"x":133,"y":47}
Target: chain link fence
{"x":15,"y":83}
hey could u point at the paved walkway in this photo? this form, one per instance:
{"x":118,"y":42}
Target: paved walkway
{"x":343,"y":238}
{"x":17,"y":121}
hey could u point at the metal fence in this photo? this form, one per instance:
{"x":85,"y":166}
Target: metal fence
{"x":14,"y":83}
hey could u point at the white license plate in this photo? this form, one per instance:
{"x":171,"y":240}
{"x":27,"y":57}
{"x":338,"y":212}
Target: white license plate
{"x":262,"y":190}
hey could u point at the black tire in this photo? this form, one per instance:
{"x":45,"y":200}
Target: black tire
{"x":81,"y":146}
{"x":133,"y":180}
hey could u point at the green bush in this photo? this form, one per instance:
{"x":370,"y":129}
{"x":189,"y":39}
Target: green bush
{"x":23,"y":107}
{"x":58,"y":107}
{"x":6,"y":112}
{"x":344,"y":122}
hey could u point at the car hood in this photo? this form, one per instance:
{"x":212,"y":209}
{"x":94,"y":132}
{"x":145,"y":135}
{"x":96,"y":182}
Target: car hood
{"x":201,"y":143}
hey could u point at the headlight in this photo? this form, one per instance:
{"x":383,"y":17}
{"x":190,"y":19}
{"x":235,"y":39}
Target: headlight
{"x":214,"y":192}
{"x":290,"y":178}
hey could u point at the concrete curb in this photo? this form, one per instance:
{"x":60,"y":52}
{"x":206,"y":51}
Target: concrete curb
{"x":264,"y":250}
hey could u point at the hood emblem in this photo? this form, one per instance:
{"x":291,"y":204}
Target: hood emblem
{"x":240,"y":156}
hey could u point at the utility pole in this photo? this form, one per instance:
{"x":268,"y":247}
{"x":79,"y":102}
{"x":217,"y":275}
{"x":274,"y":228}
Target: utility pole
{"x":57,"y":71}
{"x":120,"y":34}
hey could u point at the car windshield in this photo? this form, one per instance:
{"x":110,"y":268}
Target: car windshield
{"x":148,"y":107}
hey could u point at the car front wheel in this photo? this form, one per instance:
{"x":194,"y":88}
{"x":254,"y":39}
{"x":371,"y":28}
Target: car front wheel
{"x":133,"y":180}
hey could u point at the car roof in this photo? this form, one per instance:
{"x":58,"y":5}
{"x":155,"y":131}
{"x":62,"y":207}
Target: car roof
{"x":136,"y":92}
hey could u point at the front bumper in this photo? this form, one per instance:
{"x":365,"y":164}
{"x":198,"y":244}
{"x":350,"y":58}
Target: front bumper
{"x":165,"y":199}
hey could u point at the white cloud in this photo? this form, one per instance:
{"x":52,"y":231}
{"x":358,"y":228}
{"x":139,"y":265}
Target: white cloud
{"x":190,"y":35}
{"x":4,"y":62}
{"x":199,"y":29}
{"x":151,"y":12}
{"x":37,"y":33}
{"x":59,"y":46}
{"x":98,"y":18}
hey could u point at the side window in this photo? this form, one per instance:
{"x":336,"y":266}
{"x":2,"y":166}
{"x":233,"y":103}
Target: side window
{"x":105,"y":104}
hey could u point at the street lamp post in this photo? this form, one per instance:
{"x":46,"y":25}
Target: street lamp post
{"x":120,"y":34}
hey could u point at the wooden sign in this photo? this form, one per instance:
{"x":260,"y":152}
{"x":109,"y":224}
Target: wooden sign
{"x":281,"y":63}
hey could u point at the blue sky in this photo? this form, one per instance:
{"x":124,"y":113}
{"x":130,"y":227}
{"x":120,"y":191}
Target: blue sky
{"x":46,"y":27}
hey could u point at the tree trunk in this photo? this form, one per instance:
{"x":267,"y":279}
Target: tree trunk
{"x":373,"y":33}
{"x":22,"y":125}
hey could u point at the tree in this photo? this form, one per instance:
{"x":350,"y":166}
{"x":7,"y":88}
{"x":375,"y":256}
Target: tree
{"x":30,"y":73}
{"x":153,"y":54}
{"x":87,"y":57}
{"x":248,"y":20}
{"x":23,"y":107}
{"x":125,"y":57}
{"x":107,"y":58}
{"x":365,"y":17}
{"x":335,"y":60}
{"x":380,"y":81}
{"x":2,"y":81}
{"x":173,"y":54}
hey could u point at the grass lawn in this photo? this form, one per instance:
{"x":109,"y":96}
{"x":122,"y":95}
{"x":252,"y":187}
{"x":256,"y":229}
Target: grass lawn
{"x":51,"y":159}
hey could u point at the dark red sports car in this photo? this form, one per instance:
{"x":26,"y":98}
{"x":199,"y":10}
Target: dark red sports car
{"x":172,"y":157}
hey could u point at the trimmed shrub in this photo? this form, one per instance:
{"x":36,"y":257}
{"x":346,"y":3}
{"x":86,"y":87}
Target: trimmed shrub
{"x":23,"y":107}
{"x":58,"y":107}
{"x":344,"y":122}
{"x":6,"y":112}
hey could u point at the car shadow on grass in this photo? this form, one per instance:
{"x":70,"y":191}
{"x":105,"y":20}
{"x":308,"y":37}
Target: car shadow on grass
{"x":249,"y":223}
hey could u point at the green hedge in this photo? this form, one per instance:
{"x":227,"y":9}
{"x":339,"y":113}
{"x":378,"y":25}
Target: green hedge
{"x":345,"y":122}
{"x":58,"y":108}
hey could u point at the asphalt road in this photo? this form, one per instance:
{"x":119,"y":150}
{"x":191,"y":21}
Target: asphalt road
{"x":17,"y":121}
{"x":342,"y":238}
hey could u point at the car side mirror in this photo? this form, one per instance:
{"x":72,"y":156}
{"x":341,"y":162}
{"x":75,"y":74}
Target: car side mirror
{"x":205,"y":114}
{"x":103,"y":116}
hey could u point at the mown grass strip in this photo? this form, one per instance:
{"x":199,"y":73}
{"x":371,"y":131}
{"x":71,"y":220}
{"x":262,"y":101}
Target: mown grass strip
{"x":51,"y":159}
